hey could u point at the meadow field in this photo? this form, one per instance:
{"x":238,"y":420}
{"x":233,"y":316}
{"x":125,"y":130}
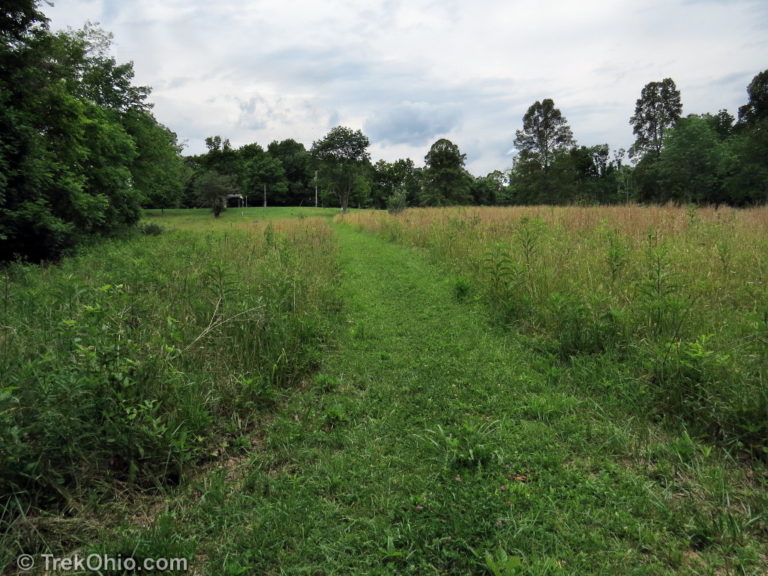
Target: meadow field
{"x":500,"y":391}
{"x":663,"y":308}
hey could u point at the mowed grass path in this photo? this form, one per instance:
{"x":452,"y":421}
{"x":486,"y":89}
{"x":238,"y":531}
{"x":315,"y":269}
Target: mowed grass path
{"x":429,"y":443}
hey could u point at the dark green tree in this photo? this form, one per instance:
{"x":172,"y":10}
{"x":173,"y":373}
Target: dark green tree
{"x":690,"y":165}
{"x":264,"y":177}
{"x":596,"y":175}
{"x":212,"y":191}
{"x":722,"y":123}
{"x":490,"y":190}
{"x":344,"y":162}
{"x":656,"y":111}
{"x":544,"y":171}
{"x":65,"y":154}
{"x":545,"y":133}
{"x":391,"y":178}
{"x":745,"y":158}
{"x":297,"y":166}
{"x":531,"y":184}
{"x":158,"y":171}
{"x":221,"y":157}
{"x":446,"y":181}
{"x":756,"y":109}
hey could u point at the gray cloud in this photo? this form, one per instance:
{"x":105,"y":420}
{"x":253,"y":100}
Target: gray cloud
{"x":415,"y":123}
{"x":410,"y":71}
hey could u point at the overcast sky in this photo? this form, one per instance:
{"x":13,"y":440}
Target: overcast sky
{"x":408,"y":72}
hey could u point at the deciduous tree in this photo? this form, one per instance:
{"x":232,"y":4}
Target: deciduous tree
{"x":344,"y":158}
{"x":212,"y":190}
{"x":656,"y":111}
{"x":545,"y":133}
{"x":446,"y":181}
{"x":756,"y":109}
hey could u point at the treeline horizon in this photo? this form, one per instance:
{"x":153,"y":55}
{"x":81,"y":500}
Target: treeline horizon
{"x":694,"y":159}
{"x":81,"y":153}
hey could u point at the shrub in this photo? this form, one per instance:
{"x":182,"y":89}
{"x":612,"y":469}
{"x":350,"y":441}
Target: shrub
{"x":397,"y":202}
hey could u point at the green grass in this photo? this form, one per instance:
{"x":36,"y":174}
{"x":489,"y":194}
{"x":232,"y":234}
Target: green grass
{"x":673,"y":296}
{"x":133,"y":363}
{"x":429,"y":440}
{"x":202,"y":218}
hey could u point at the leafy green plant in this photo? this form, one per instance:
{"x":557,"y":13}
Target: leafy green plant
{"x":499,"y":563}
{"x":397,"y":202}
{"x":467,"y":446}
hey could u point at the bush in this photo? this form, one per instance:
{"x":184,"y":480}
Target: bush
{"x":152,"y":229}
{"x":397,"y":202}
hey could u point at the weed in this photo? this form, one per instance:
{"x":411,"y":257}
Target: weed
{"x":462,"y":289}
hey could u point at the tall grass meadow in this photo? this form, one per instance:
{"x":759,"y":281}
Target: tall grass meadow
{"x":674,"y":298}
{"x":130,"y":364}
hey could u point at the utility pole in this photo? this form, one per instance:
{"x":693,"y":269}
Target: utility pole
{"x":265,"y":195}
{"x":315,"y":188}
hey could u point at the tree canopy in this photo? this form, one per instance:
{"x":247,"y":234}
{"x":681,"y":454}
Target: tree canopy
{"x":657,"y":110}
{"x":79,"y":149}
{"x":446,"y":181}
{"x":343,"y":156}
{"x":545,"y":133}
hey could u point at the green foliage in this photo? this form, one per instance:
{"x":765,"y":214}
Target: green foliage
{"x":491,"y":189}
{"x":136,"y":378}
{"x":756,"y":109}
{"x":446,"y":182}
{"x":658,"y":109}
{"x":388,"y":179}
{"x":397,"y":202}
{"x":343,"y":156}
{"x":554,"y":184}
{"x":545,"y":133}
{"x":296,"y":164}
{"x":158,"y":171}
{"x":69,"y":154}
{"x":213,"y":189}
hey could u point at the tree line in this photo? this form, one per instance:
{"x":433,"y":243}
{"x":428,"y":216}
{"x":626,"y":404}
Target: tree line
{"x":81,"y":153}
{"x":703,"y":159}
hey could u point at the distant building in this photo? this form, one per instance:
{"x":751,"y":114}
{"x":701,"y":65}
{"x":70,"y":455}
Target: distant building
{"x":235,"y":201}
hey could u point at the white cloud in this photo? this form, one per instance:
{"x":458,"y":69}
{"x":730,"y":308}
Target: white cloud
{"x":411,"y":71}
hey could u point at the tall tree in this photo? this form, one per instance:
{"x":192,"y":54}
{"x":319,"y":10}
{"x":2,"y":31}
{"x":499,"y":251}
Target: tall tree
{"x":544,"y":172}
{"x":446,"y":181}
{"x":344,"y":158}
{"x":263,"y":176}
{"x":747,"y":158}
{"x":657,"y":110}
{"x":756,"y":109}
{"x":691,"y":161}
{"x":296,"y":163}
{"x":65,"y":154}
{"x":545,"y":133}
{"x":158,"y":171}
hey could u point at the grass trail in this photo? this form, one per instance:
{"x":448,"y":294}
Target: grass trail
{"x":430,"y":444}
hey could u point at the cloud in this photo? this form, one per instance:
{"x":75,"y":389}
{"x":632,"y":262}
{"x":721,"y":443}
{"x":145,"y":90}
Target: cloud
{"x":416,"y":123}
{"x":408,"y":72}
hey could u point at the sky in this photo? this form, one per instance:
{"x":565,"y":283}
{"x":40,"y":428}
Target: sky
{"x":409,"y":72}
